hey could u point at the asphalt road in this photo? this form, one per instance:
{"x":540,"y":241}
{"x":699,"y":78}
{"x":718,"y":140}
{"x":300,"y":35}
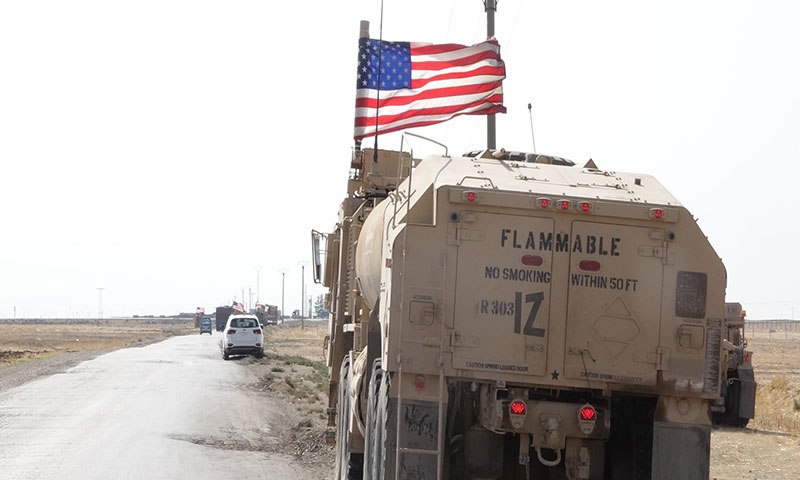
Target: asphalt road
{"x":170,"y":410}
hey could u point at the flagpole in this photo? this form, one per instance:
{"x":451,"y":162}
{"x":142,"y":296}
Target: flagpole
{"x":491,"y":131}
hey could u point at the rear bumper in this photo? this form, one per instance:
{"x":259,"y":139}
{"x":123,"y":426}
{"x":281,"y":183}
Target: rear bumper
{"x":244,"y":350}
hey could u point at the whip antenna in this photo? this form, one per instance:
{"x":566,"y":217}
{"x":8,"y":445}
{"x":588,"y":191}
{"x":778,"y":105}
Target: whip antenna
{"x":378,"y":97}
{"x":530,"y":114}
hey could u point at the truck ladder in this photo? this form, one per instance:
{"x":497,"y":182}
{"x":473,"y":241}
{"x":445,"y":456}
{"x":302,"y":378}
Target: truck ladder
{"x":439,"y":434}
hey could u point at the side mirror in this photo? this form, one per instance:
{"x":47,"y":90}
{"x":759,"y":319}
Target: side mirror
{"x":316,"y":254}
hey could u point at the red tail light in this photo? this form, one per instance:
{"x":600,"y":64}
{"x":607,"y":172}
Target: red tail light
{"x":544,"y":202}
{"x":589,"y":265}
{"x":517,"y":407}
{"x":257,"y":331}
{"x":231,"y":331}
{"x":564,"y":204}
{"x":585,"y":206}
{"x":258,"y":344}
{"x":533,"y":260}
{"x":588,"y":413}
{"x":471,"y":196}
{"x":230,"y":344}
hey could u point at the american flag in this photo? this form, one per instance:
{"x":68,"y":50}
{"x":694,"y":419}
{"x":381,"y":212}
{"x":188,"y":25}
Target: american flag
{"x":422,"y":84}
{"x":237,"y":307}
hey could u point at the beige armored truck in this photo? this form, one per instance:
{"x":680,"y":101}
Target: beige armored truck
{"x":505,"y":315}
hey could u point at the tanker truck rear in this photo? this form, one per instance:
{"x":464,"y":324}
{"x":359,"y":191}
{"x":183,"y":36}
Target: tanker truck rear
{"x":503,"y":315}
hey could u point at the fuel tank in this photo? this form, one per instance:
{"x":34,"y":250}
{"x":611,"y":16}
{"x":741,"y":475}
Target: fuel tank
{"x":369,"y":252}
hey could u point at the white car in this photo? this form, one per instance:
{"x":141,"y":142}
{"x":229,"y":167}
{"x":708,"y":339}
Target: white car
{"x":242,"y":336}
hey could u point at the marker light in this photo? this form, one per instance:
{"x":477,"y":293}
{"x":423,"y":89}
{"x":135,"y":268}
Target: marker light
{"x":471,"y":196}
{"x":517,"y":407}
{"x":544,"y":202}
{"x":419,"y":382}
{"x":564,"y":204}
{"x":657,"y":213}
{"x":587,"y":417}
{"x":532,"y":260}
{"x":588,"y":412}
{"x":589,"y":265}
{"x":584,"y":206}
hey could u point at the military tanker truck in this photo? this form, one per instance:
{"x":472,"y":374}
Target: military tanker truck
{"x":738,"y":385}
{"x":507,"y":315}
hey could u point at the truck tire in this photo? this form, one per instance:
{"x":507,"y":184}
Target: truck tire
{"x":372,"y":447}
{"x":349,"y":466}
{"x":385,"y":445}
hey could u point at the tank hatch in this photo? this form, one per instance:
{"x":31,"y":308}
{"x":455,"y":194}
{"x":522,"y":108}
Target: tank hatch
{"x":513,"y":156}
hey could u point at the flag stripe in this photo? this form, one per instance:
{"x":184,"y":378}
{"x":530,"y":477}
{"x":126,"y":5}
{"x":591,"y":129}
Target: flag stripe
{"x":438,"y":110}
{"x":362,"y":132}
{"x":410,"y":93}
{"x":456,"y":62}
{"x":429,"y":49}
{"x":426,"y":95}
{"x":499,"y":72}
{"x":495,"y":95}
{"x":455,"y":54}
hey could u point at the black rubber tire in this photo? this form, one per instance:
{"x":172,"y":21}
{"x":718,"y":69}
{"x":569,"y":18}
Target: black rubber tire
{"x":385,"y":432}
{"x":349,"y":466}
{"x":371,"y":445}
{"x":260,"y":354}
{"x":225,"y":355}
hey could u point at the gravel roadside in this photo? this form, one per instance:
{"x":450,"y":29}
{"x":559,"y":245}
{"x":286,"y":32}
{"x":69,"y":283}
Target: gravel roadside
{"x":20,"y":373}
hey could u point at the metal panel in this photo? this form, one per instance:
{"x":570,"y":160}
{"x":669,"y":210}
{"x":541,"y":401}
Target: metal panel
{"x":613,"y":311}
{"x":680,"y":452}
{"x":502,"y":308}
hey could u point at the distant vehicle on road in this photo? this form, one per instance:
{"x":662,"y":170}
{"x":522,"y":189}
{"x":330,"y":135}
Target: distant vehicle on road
{"x":205,"y":326}
{"x":267,"y":314}
{"x":222,"y":314}
{"x":242,"y":336}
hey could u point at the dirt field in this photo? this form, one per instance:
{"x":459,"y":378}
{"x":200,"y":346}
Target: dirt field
{"x":769,"y":449}
{"x":24,"y":342}
{"x":293,"y":369}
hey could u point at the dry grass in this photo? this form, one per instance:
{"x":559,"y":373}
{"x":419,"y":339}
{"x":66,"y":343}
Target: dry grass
{"x":776,"y":361}
{"x":27,"y":342}
{"x":293,"y":367}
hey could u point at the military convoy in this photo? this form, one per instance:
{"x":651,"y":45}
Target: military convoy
{"x":507,"y":315}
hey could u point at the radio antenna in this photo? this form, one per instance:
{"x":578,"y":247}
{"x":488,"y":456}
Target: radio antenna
{"x":378,"y":96}
{"x":530,"y":114}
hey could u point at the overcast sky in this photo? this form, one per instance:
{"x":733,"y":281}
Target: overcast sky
{"x":165,"y":149}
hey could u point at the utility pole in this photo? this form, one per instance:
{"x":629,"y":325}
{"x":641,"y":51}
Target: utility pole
{"x":302,"y":294}
{"x":491,"y":131}
{"x":258,"y":284}
{"x":283,"y":289}
{"x":100,"y":295}
{"x":250,"y":297}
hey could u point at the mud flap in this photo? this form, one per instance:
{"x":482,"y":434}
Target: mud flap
{"x":747,"y":393}
{"x":418,"y":431}
{"x":681,"y":452}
